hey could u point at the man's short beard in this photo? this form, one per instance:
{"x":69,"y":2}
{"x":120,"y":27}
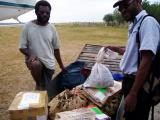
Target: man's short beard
{"x":42,"y":20}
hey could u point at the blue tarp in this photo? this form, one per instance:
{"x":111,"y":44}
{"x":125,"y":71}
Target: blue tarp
{"x":67,"y":80}
{"x":72,"y":77}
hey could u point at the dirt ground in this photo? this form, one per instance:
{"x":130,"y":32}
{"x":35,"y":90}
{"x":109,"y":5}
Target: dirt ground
{"x":14,"y":76}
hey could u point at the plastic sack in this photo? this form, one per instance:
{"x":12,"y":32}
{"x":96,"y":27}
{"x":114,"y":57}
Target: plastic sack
{"x":100,"y":76}
{"x":109,"y":54}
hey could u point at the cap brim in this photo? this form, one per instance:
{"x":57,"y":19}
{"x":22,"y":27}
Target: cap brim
{"x":117,"y":3}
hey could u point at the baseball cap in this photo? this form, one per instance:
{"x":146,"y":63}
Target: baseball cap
{"x":118,"y":3}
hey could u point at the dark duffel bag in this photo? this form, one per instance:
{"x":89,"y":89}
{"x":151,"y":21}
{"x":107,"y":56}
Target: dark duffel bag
{"x":72,"y":77}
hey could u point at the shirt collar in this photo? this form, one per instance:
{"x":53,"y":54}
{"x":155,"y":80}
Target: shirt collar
{"x":136,"y":20}
{"x":140,"y":15}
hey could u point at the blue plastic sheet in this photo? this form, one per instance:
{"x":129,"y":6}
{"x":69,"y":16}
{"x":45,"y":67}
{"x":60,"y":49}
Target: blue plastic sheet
{"x":72,"y":77}
{"x":117,"y":76}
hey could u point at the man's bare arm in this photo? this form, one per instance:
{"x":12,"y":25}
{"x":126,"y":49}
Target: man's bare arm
{"x":58,"y":58}
{"x":25,"y":51}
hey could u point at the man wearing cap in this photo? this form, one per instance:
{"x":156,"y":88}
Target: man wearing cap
{"x":136,"y":103}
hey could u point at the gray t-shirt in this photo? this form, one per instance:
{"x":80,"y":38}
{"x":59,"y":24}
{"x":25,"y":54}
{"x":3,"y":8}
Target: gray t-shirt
{"x":41,"y":40}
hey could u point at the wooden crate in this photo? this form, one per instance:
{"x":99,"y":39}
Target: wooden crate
{"x":89,"y":53}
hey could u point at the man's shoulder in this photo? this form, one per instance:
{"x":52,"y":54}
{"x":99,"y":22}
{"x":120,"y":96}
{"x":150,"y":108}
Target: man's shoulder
{"x":52,"y":26}
{"x":149,"y":20}
{"x":28,"y":24}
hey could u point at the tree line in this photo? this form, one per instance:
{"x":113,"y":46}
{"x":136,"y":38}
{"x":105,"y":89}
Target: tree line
{"x":115,"y":18}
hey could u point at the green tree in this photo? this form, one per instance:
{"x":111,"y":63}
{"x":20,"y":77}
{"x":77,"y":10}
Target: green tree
{"x":108,"y":18}
{"x":118,"y":17}
{"x":153,"y":9}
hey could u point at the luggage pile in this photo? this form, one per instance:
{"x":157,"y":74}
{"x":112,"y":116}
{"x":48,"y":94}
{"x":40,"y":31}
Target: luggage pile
{"x":77,"y":99}
{"x":89,"y":90}
{"x":80,"y":99}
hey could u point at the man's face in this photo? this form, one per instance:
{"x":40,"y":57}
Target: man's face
{"x":43,"y":14}
{"x":127,"y":9}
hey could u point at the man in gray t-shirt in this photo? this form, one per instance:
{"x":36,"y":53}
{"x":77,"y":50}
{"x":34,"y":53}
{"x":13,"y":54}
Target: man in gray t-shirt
{"x":40,"y":44}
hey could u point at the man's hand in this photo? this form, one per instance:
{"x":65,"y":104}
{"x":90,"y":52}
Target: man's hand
{"x":130,"y":102}
{"x":116,"y":49}
{"x":64,"y":70}
{"x":113,"y":48}
{"x":31,"y":59}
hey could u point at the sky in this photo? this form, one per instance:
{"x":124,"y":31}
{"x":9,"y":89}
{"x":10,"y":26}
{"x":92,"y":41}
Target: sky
{"x":75,"y":11}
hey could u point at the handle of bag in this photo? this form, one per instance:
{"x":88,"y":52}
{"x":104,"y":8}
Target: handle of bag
{"x":100,"y":55}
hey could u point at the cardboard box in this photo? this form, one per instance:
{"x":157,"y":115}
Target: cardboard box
{"x":88,"y":113}
{"x":77,"y":114}
{"x":30,"y":105}
{"x":100,"y":96}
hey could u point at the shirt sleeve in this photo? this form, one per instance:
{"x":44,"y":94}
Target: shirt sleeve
{"x":149,"y":34}
{"x":55,"y":41}
{"x":23,"y":38}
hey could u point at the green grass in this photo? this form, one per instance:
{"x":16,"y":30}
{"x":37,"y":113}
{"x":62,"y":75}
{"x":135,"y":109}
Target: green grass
{"x":76,"y":36}
{"x":93,"y":34}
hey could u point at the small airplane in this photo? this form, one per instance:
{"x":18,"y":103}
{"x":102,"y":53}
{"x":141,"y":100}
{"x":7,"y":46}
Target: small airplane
{"x":14,"y":8}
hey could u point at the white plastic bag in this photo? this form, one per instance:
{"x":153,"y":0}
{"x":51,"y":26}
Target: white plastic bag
{"x":109,"y":54}
{"x":100,"y":76}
